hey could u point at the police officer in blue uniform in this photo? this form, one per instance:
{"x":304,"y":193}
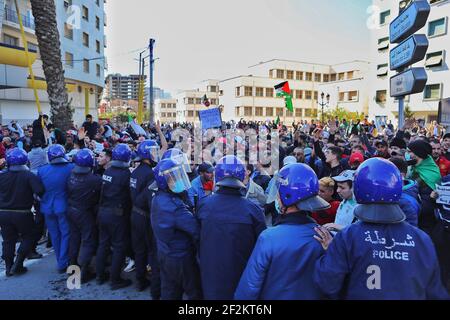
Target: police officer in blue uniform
{"x":113,"y":215}
{"x":282,"y":264}
{"x":381,"y":256}
{"x":17,"y":189}
{"x":141,"y":233}
{"x":84,"y":192}
{"x":230,"y":226}
{"x":54,"y":176}
{"x":177,"y":233}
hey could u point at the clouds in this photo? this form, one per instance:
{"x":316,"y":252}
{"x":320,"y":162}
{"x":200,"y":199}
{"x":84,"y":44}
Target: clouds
{"x":200,"y":39}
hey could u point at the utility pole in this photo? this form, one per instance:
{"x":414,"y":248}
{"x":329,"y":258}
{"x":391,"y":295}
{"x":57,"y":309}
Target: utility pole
{"x":150,"y":107}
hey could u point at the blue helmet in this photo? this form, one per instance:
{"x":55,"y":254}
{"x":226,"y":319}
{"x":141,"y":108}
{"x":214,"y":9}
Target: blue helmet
{"x":378,"y":187}
{"x":149,"y":150}
{"x":170,"y":175}
{"x":56,"y":154}
{"x":171,"y":153}
{"x":298,"y":185}
{"x":230,"y":172}
{"x":16,"y":157}
{"x":121,"y":152}
{"x":84,"y":161}
{"x":178,"y":156}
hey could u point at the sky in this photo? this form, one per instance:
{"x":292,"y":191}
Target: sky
{"x":218,"y":39}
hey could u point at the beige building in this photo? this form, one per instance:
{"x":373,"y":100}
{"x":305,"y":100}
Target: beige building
{"x":166,"y":110}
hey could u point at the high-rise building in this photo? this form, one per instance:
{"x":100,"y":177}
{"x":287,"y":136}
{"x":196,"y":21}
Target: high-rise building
{"x":81,"y":26}
{"x":123,"y":87}
{"x":424,"y":105}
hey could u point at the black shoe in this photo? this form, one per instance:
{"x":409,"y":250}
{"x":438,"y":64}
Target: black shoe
{"x":101,"y":279}
{"x":87,"y":276}
{"x":122,"y":283}
{"x":17,"y":267}
{"x":142,"y":285}
{"x":8,"y":272}
{"x":34,"y":256}
{"x":20,"y":270}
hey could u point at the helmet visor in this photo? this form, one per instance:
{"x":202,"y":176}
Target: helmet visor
{"x":177,"y":179}
{"x":154,"y":153}
{"x":182,"y":160}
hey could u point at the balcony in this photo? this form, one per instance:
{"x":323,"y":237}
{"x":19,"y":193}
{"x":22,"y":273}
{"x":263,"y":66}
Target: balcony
{"x":15,"y":56}
{"x":11,"y":16}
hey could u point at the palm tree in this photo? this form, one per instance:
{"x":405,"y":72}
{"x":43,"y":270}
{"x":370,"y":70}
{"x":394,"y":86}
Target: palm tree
{"x":44,"y":12}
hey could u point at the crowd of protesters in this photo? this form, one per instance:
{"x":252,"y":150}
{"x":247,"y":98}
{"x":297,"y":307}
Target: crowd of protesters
{"x":333,"y":151}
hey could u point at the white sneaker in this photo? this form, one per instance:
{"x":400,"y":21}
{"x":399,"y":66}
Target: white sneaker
{"x":130,"y":267}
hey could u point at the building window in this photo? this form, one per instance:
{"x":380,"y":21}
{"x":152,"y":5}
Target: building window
{"x":383,"y":44}
{"x":299,"y":75}
{"x":214,"y":102}
{"x":350,"y":75}
{"x":198,"y":100}
{"x":190,"y":113}
{"x":163,"y":105}
{"x":333,"y":77}
{"x":299,"y":94}
{"x":432,"y":92}
{"x":289,"y":113}
{"x":259,"y":111}
{"x":382,"y":70}
{"x":32,"y":46}
{"x":308,"y":113}
{"x":259,"y":92}
{"x":434,"y":59}
{"x":316,"y":95}
{"x":326,"y":78}
{"x":341,"y":96}
{"x":213,"y":89}
{"x":248,"y":91}
{"x":86,"y":65}
{"x":68,"y":59}
{"x":341,"y":76}
{"x":190,"y":100}
{"x":381,"y":96}
{"x":269,"y":112}
{"x":237,"y":112}
{"x":437,"y":27}
{"x":238,"y":91}
{"x":68,"y":31}
{"x":98,"y":70}
{"x":85,"y":13}
{"x":269,"y":92}
{"x":97,"y":23}
{"x":97,"y":46}
{"x":280,"y":74}
{"x":308,"y":76}
{"x":298,"y":112}
{"x":279,"y":112}
{"x":290,"y":74}
{"x":86,"y":39}
{"x":247,"y":111}
{"x":67,"y":3}
{"x":384,"y":17}
{"x":163,"y":114}
{"x":318,"y":77}
{"x":353,"y":96}
{"x":308,"y":95}
{"x":97,"y":2}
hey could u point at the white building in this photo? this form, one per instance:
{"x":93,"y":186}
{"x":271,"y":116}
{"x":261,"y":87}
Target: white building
{"x":424,"y":105}
{"x":253,"y":97}
{"x":166,"y":110}
{"x":189,"y":102}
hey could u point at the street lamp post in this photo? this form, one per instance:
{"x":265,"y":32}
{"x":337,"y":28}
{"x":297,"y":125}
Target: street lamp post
{"x":322,"y":103}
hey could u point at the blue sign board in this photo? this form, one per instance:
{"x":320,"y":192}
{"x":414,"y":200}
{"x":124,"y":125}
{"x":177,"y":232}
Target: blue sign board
{"x":408,"y":82}
{"x":210,"y":118}
{"x":412,"y":19}
{"x":408,"y":52}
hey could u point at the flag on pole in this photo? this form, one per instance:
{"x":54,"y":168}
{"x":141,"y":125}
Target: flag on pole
{"x":277,"y":122}
{"x":205,"y":101}
{"x":284,"y":91}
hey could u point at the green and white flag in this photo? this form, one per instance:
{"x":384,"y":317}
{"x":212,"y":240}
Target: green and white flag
{"x":283,"y":90}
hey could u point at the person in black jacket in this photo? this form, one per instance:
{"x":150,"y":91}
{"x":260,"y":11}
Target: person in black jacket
{"x":38,"y":130}
{"x":91,"y":127}
{"x":17,"y":189}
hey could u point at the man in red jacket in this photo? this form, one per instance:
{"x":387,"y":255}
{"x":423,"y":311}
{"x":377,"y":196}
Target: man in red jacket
{"x":441,"y":160}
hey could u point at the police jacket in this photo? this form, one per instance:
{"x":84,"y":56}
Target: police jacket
{"x":17,"y":187}
{"x":115,"y":191}
{"x":282,"y":264}
{"x":230,"y":226}
{"x":410,"y":203}
{"x":84,"y":191}
{"x":380,"y":261}
{"x":174,"y":226}
{"x":140,"y":180}
{"x":55,"y":177}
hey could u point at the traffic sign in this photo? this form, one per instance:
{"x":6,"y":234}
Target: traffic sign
{"x":412,"y":19}
{"x":408,"y":52}
{"x":408,"y":82}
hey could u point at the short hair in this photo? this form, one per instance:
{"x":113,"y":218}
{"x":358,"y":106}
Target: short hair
{"x":89,"y":116}
{"x":327,"y":182}
{"x":250,"y":167}
{"x":336,"y":150}
{"x":108,"y":152}
{"x":45,"y":116}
